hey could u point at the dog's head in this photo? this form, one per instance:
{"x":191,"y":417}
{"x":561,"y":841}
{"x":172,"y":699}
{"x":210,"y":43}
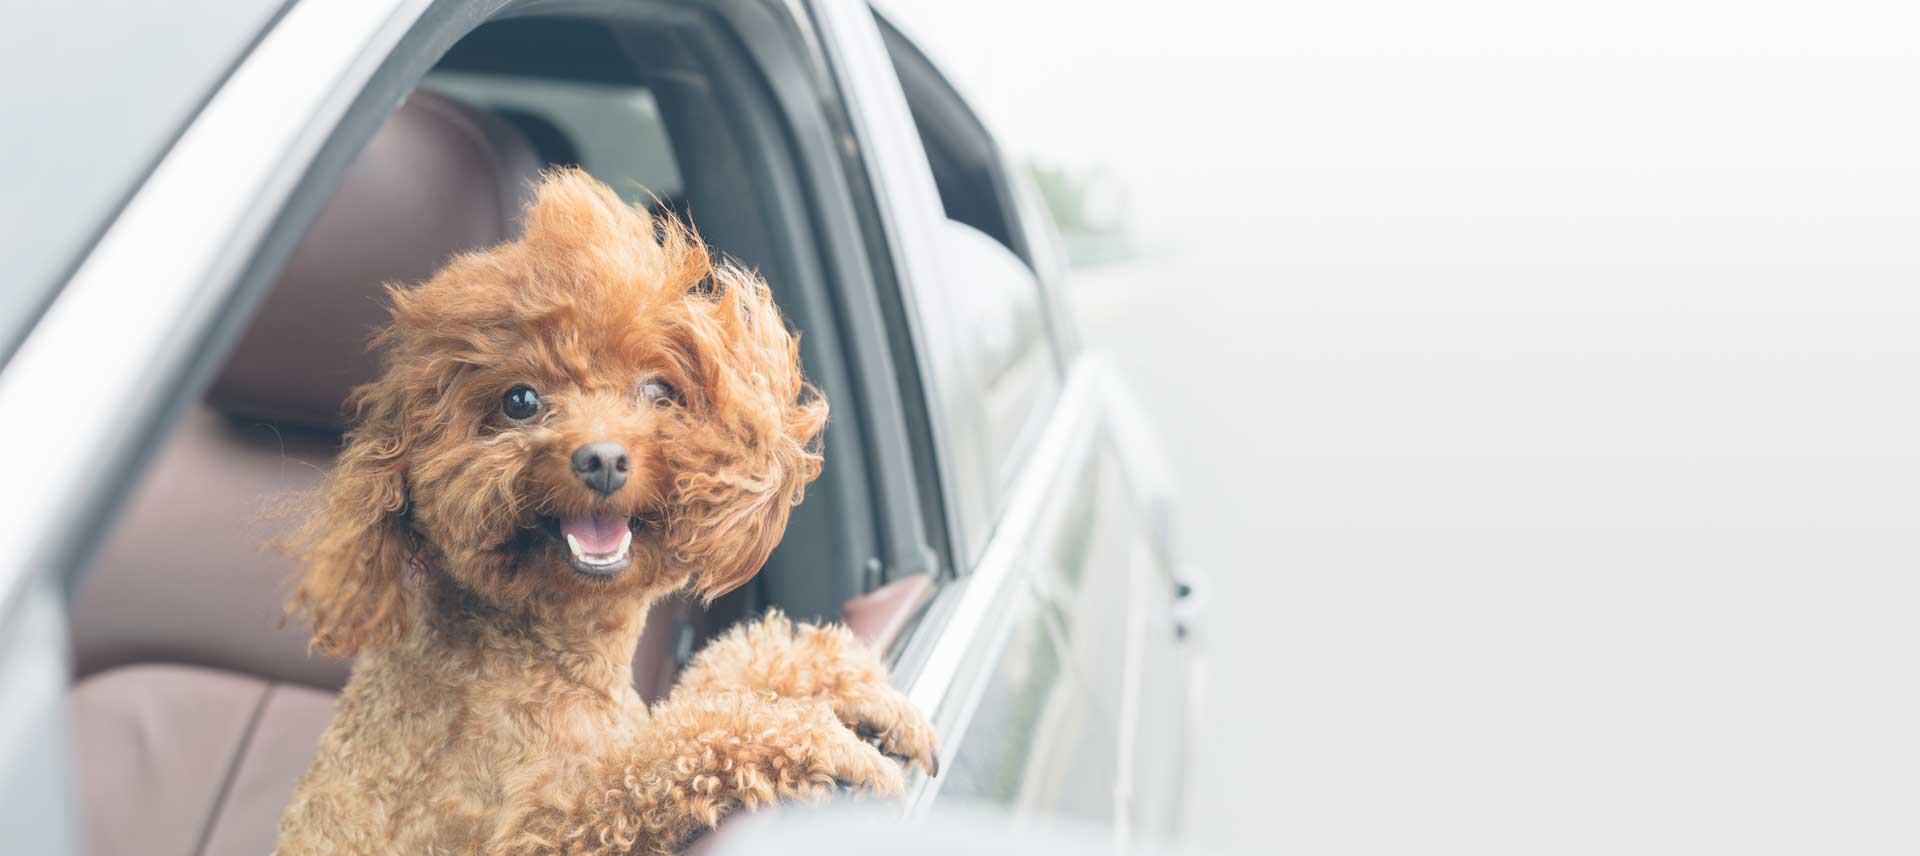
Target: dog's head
{"x":594,"y":412}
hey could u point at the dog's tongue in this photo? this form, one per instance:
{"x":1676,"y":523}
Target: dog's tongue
{"x":597,"y":533}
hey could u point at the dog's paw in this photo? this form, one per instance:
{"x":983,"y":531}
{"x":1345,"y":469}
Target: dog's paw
{"x":818,"y":663}
{"x":858,"y":766}
{"x":883,"y":716}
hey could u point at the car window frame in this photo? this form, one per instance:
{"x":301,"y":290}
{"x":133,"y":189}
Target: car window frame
{"x":974,"y":477}
{"x":1032,"y":238}
{"x":817,"y":115}
{"x":906,"y":213}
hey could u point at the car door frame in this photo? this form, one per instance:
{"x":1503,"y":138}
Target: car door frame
{"x":945,"y":664}
{"x":942,"y":663}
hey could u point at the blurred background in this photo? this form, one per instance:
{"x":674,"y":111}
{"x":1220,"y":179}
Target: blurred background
{"x":1542,"y":381}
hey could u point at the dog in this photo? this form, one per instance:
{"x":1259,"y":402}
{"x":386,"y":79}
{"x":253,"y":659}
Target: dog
{"x":566,"y":428}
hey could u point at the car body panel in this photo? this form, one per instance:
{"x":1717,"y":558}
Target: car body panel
{"x":1059,"y":675}
{"x":95,"y":97}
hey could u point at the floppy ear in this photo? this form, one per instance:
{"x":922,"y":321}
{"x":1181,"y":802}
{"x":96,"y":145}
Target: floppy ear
{"x":355,"y":542}
{"x":741,"y":474}
{"x":729,"y":520}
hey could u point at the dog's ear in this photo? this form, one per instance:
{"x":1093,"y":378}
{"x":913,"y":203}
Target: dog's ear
{"x":740,"y":474}
{"x":355,"y":543}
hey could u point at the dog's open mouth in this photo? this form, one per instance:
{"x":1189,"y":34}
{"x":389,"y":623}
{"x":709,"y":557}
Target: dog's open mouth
{"x":599,"y":544}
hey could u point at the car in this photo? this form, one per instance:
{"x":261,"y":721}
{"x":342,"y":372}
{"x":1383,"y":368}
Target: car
{"x":206,"y":202}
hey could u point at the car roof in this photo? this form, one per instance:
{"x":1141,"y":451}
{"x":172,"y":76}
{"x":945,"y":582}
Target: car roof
{"x":94,"y":94}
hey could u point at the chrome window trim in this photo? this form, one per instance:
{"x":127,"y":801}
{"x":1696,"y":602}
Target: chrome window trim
{"x":159,"y":276}
{"x":909,"y":209}
{"x":966,"y":623}
{"x":37,"y":779}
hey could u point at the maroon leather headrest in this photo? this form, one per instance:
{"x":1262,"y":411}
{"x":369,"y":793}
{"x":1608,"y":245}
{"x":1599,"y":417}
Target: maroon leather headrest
{"x":439,"y":178}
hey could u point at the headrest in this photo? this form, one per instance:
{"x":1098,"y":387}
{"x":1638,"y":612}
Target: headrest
{"x":438,"y":179}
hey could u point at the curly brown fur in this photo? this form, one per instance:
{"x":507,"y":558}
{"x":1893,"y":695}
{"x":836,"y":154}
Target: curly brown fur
{"x":803,"y":661}
{"x":491,"y":708}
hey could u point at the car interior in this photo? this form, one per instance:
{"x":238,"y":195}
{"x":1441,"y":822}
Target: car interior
{"x":195,"y":707}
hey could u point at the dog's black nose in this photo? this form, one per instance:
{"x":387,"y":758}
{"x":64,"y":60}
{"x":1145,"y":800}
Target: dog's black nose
{"x":602,"y":466}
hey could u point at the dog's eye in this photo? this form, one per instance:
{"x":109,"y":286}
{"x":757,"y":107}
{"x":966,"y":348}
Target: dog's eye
{"x":520,"y":403}
{"x":658,"y":392}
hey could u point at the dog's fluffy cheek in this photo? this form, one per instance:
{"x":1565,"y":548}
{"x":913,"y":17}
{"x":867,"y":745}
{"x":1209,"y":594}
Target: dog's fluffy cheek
{"x":473,"y":502}
{"x":652,"y":469}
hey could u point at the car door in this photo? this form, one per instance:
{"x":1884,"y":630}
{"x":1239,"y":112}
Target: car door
{"x":1052,"y":663}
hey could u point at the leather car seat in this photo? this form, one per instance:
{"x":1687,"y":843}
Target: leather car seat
{"x":195,"y":710}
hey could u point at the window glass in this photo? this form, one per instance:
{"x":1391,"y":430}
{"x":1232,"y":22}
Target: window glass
{"x":988,"y":282}
{"x":967,"y":168}
{"x":610,"y":130}
{"x":1003,"y":331}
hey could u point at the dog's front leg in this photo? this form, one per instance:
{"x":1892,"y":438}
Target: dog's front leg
{"x":817,"y":663}
{"x":704,"y":756}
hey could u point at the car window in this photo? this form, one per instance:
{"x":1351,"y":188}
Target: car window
{"x":988,"y":273}
{"x":1002,"y":324}
{"x":968,"y":170}
{"x":613,"y":131}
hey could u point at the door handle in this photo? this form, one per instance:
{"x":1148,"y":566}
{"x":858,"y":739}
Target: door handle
{"x":1190,"y":588}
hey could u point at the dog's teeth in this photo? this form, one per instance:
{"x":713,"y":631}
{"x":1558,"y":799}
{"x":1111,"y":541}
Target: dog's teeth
{"x":580,"y":554}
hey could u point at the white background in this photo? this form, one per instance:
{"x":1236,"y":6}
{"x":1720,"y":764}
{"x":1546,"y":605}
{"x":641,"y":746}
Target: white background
{"x":1546,"y":382}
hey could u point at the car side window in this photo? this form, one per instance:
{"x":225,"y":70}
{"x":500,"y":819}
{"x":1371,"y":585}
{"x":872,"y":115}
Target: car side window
{"x":988,"y":267}
{"x":614,"y":131}
{"x":997,"y":300}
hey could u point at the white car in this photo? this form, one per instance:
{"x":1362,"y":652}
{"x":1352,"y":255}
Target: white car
{"x":202,"y":200}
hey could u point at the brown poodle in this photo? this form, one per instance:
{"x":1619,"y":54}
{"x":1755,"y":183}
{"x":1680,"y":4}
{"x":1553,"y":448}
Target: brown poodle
{"x":567,"y":428}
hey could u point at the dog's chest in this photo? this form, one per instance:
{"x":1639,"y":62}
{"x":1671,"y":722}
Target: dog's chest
{"x":557,"y":725}
{"x":457,"y":765}
{"x":520,"y":758}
